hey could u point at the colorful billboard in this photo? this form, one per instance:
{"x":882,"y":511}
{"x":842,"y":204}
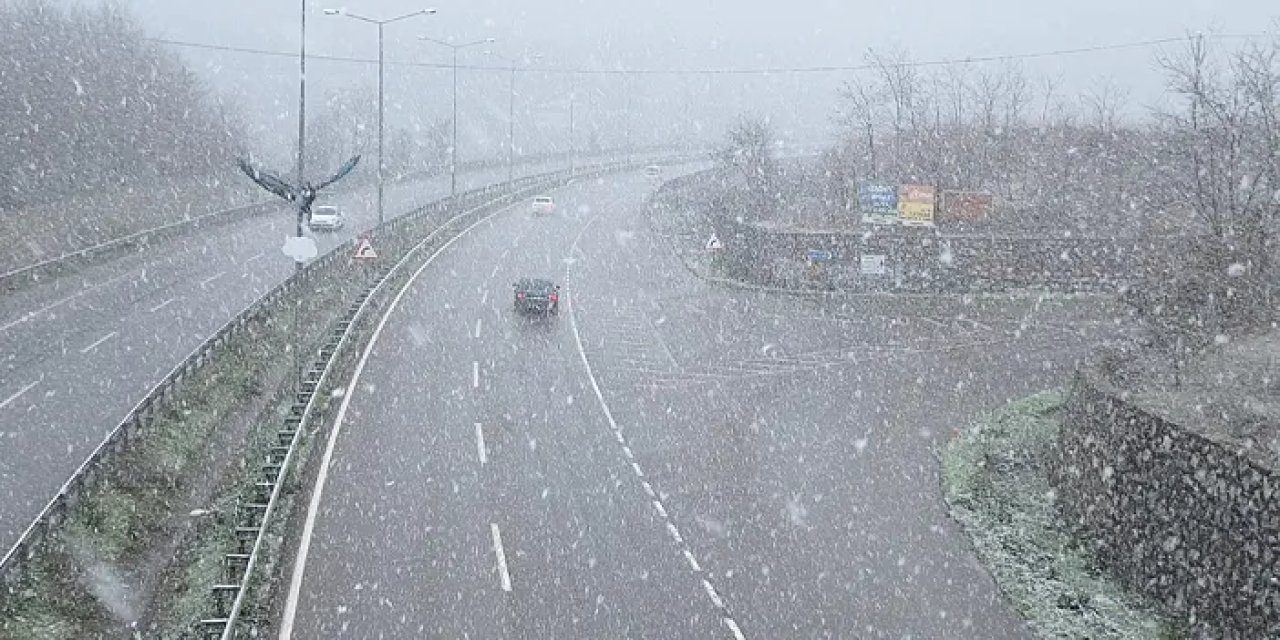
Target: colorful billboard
{"x":878,"y":203}
{"x":915,"y":204}
{"x":967,"y":206}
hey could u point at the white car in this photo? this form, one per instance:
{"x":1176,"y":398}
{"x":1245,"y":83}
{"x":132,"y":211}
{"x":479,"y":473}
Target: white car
{"x":653,"y":172}
{"x":544,"y":205}
{"x":327,"y":217}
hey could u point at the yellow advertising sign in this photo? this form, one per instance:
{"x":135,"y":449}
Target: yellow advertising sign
{"x":915,"y":204}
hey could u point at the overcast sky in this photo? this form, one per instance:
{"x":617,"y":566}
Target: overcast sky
{"x":672,"y":34}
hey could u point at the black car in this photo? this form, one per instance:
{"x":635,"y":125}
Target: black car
{"x":535,"y":295}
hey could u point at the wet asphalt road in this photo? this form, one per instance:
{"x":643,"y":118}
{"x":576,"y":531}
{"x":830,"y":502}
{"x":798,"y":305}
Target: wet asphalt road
{"x":665,"y":458}
{"x":78,"y":351}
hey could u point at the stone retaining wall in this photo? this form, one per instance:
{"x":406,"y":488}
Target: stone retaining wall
{"x":1189,"y":521}
{"x":922,"y":260}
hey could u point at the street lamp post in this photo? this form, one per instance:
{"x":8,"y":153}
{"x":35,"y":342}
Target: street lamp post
{"x":511,"y":114}
{"x":453,"y":152}
{"x":381,"y":108}
{"x":573,"y":144}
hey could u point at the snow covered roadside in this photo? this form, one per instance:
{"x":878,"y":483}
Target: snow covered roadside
{"x":995,"y":486}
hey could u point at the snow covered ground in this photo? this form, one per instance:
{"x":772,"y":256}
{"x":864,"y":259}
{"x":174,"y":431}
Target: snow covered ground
{"x":995,"y":485}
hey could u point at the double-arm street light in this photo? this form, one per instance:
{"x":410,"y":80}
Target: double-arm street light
{"x":381,"y":23}
{"x":453,"y":153}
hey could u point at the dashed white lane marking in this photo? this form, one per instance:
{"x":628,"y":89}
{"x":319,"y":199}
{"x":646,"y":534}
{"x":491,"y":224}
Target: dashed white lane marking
{"x":711,"y":593}
{"x":210,"y":279}
{"x":503,"y":574}
{"x":478,"y":321}
{"x":480,"y":448}
{"x":163,"y":305}
{"x":57,"y":303}
{"x":98,"y":342}
{"x":733,"y":628}
{"x":484,"y":297}
{"x":693,"y":562}
{"x":248,"y":260}
{"x":506,"y":252}
{"x":8,"y":401}
{"x":672,"y":530}
{"x":494,"y":273}
{"x":326,"y":460}
{"x":475,"y":375}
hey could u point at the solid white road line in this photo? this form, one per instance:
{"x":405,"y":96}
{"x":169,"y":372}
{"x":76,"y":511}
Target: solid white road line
{"x":98,"y":342}
{"x":8,"y":401}
{"x":317,"y":492}
{"x":475,"y":375}
{"x":504,"y":575}
{"x":162,"y":305}
{"x":480,"y":448}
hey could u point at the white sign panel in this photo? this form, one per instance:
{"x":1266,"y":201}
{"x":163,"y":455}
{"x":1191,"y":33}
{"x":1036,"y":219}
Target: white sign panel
{"x":870,"y":265}
{"x":301,"y":249}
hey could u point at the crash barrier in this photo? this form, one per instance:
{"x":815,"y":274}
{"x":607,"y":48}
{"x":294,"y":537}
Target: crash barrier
{"x":133,"y":425}
{"x":22,"y":276}
{"x":1192,"y":522}
{"x":255,"y":512}
{"x":904,"y":259}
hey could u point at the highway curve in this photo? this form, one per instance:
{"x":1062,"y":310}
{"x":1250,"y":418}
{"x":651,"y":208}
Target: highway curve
{"x":666,"y":458}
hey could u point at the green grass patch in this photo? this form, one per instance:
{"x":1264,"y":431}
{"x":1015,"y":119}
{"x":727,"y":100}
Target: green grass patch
{"x":995,"y":485}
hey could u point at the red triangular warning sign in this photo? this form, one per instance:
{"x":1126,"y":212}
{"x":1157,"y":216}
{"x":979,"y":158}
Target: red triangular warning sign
{"x":364,"y":250}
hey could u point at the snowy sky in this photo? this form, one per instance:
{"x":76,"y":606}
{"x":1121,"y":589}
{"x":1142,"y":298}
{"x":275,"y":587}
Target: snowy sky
{"x":667,"y":34}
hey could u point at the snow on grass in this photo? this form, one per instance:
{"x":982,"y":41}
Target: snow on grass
{"x":995,"y":485}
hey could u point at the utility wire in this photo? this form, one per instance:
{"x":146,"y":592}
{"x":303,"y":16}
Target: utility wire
{"x":1139,"y":44}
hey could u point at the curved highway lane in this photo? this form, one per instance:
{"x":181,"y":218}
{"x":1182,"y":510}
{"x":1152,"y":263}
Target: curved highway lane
{"x":664,"y":459}
{"x":78,"y":351}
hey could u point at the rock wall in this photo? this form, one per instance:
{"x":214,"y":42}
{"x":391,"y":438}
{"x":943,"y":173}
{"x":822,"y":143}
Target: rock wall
{"x":1191,"y":522}
{"x":924,"y":261}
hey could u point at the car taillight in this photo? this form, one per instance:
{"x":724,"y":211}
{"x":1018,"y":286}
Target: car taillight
{"x":555,"y":297}
{"x":519,"y":295}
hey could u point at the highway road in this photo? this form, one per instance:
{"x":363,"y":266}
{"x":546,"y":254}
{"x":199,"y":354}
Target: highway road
{"x":77,"y":352}
{"x":663,"y":459}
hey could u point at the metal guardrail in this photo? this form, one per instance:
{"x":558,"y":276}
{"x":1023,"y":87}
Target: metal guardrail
{"x":55,"y":511}
{"x":257,"y":516}
{"x":217,"y":217}
{"x":59,"y":506}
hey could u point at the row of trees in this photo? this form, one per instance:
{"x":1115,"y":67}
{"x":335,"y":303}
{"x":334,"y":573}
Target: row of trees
{"x":88,"y":103}
{"x":1224,"y":141}
{"x":1054,"y":163}
{"x":1207,"y":169}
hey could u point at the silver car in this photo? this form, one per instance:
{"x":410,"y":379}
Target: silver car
{"x":327,"y":218}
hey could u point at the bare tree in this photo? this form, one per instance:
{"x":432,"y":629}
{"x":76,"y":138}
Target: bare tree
{"x":861,"y":116}
{"x":748,"y":152}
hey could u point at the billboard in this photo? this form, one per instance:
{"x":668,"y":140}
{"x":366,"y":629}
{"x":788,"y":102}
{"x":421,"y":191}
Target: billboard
{"x":878,"y":203}
{"x":915,"y":204}
{"x":967,"y":206}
